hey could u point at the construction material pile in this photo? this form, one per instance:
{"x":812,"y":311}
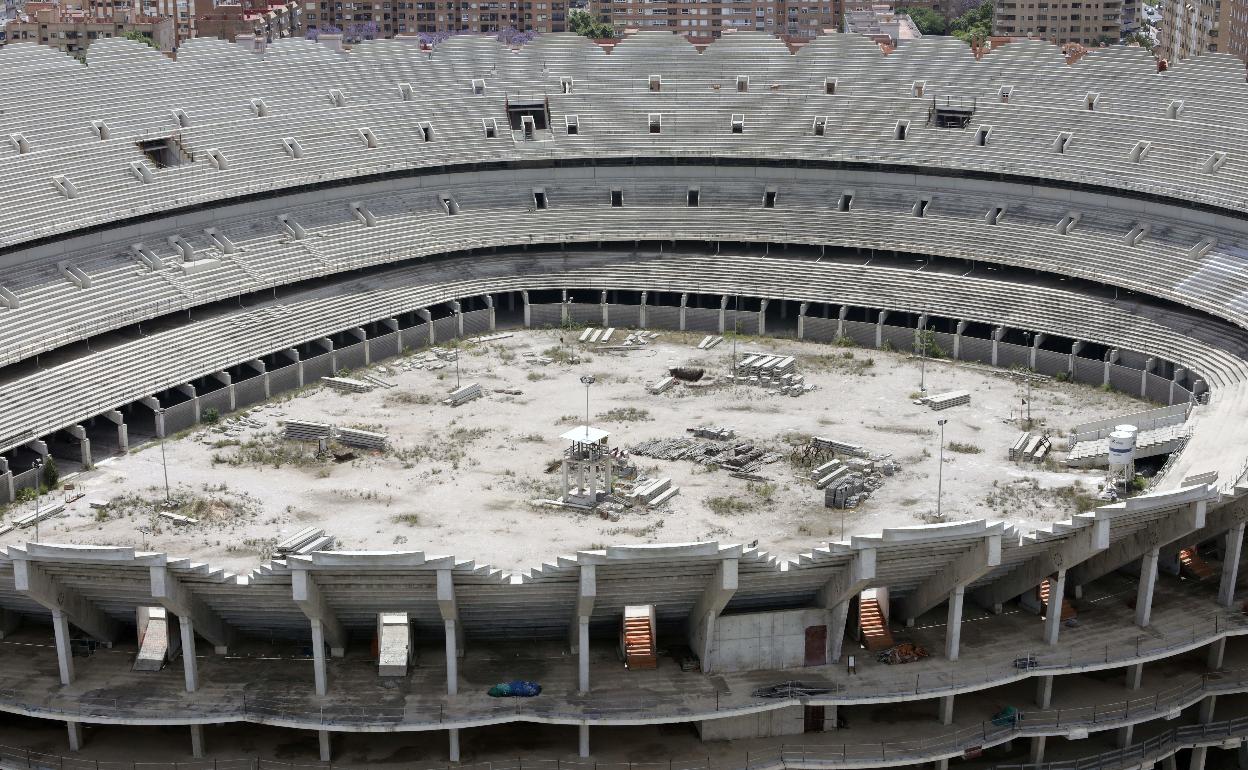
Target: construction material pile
{"x":299,"y":430}
{"x":463,"y":395}
{"x":775,"y":373}
{"x":906,"y":652}
{"x":304,"y":541}
{"x":433,"y":358}
{"x":1030,"y":448}
{"x":347,"y":385}
{"x":947,"y":400}
{"x":601,"y":336}
{"x":709,"y":341}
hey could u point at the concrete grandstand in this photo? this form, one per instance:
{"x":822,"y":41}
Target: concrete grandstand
{"x":208,"y":233}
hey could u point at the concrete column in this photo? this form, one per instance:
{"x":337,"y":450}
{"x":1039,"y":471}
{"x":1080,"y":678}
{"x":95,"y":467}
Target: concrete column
{"x":1144,"y":592}
{"x":641,"y":311}
{"x":318,"y":656}
{"x":606,"y":311}
{"x":197,"y":741}
{"x":452,"y":658}
{"x":1053,"y":619}
{"x":563,"y":309}
{"x":953,"y":627}
{"x":801,"y":320}
{"x":151,"y":402}
{"x":957,"y":339}
{"x":64,"y":656}
{"x":1207,"y":707}
{"x":582,"y":748}
{"x":1169,"y":763}
{"x":1135,"y":676}
{"x":1110,"y":359}
{"x":997,"y":334}
{"x":1044,"y":691}
{"x":684,"y":304}
{"x":1075,"y":347}
{"x":1241,"y":755}
{"x":1230,"y":564}
{"x":879,"y":329}
{"x":582,"y":656}
{"x":84,"y":443}
{"x":75,"y":735}
{"x":1179,"y":373}
{"x":1123,"y":736}
{"x":1149,"y":366}
{"x":1036,"y":755}
{"x":424,"y":315}
{"x":1032,"y":354}
{"x":362,"y":337}
{"x":528,"y":324}
{"x":190,"y":666}
{"x":1217,"y":651}
{"x":1198,"y":758}
{"x":838,"y":617}
{"x":841,"y":314}
{"x":8,"y":492}
{"x":762,"y":317}
{"x":489,"y":305}
{"x":453,"y":750}
{"x":327,"y":752}
{"x":946,"y":710}
{"x":723,"y":313}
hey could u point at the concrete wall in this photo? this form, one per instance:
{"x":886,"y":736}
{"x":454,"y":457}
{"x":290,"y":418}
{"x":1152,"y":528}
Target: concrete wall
{"x":759,"y":641}
{"x":783,"y":721}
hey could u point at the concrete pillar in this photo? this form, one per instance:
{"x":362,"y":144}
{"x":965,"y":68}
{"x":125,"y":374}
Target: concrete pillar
{"x":582,"y":747}
{"x":1230,"y":564}
{"x":957,"y":339}
{"x":75,"y":735}
{"x":1169,"y":763}
{"x":838,"y":617}
{"x":953,"y":627}
{"x":1044,"y":691}
{"x":641,"y":311}
{"x":1032,"y":354}
{"x":1149,"y":366}
{"x":1075,"y":347}
{"x":1217,"y":651}
{"x":941,"y":764}
{"x":1207,"y":706}
{"x":84,"y":443}
{"x":489,"y":305}
{"x":1053,"y":619}
{"x":326,"y":750}
{"x":1241,"y":755}
{"x":197,"y":741}
{"x":841,"y":315}
{"x":997,"y":334}
{"x":190,"y":666}
{"x":563,"y":309}
{"x":1179,"y":374}
{"x":582,"y":656}
{"x":801,"y":320}
{"x":453,"y":750}
{"x":1144,"y":592}
{"x":8,"y":490}
{"x":361,"y":337}
{"x":684,"y":303}
{"x":762,"y":317}
{"x":1198,"y":758}
{"x":1135,"y":676}
{"x":528,"y":324}
{"x":1110,"y":359}
{"x":1036,"y":755}
{"x":723,"y":313}
{"x":606,"y":315}
{"x":946,"y":710}
{"x":879,"y":329}
{"x":318,"y":656}
{"x":452,"y":658}
{"x":1123,"y":736}
{"x":64,"y":655}
{"x":424,"y":315}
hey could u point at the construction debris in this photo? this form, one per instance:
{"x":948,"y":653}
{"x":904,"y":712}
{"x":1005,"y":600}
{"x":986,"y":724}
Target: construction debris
{"x":365,"y":439}
{"x":947,"y":400}
{"x":718,"y":434}
{"x":300,"y":430}
{"x":662,"y":385}
{"x":709,"y":341}
{"x":463,"y":395}
{"x":304,"y":541}
{"x":347,"y":385}
{"x":177,"y":518}
{"x":905,"y":652}
{"x":322,"y":433}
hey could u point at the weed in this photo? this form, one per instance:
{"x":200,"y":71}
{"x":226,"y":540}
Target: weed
{"x":963,"y":448}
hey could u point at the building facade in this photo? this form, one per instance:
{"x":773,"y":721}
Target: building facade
{"x":708,"y":20}
{"x":1089,"y":22}
{"x":1189,"y":28}
{"x":387,"y":18}
{"x":266,"y":20}
{"x":1234,"y":29}
{"x":881,"y":24}
{"x":73,"y":30}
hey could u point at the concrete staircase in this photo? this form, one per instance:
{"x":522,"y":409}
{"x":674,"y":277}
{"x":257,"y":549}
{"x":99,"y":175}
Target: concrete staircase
{"x":1193,"y":567}
{"x":637,"y":637}
{"x":874,"y":627}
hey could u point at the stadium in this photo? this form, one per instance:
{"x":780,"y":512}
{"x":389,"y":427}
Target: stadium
{"x":234,"y":252}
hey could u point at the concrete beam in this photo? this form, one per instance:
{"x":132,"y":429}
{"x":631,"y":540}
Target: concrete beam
{"x":1182,"y":522}
{"x":31,"y":580}
{"x":706,"y":611}
{"x":963,"y":570}
{"x":308,"y":595}
{"x":175,"y":597}
{"x":1076,"y":548}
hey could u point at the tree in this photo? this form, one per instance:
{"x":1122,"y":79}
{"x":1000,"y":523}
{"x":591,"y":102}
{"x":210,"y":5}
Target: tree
{"x":928,"y":21}
{"x":582,"y":23}
{"x":975,"y":25}
{"x":51,"y":474}
{"x":139,"y":37}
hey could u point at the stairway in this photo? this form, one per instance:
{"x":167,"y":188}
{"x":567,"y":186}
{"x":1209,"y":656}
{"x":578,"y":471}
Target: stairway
{"x":637,"y":637}
{"x":875,"y":633}
{"x":1068,"y":611}
{"x":1194,"y":567}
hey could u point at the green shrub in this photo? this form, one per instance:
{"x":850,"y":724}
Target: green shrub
{"x":210,"y":416}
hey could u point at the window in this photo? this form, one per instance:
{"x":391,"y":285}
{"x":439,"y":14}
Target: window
{"x":617,"y":198}
{"x":847,"y":200}
{"x":565,"y":83}
{"x":574,"y":125}
{"x":693,"y":198}
{"x":656,"y":122}
{"x":656,"y":83}
{"x":1063,"y":141}
{"x":769,"y":199}
{"x":743,"y":83}
{"x":539,"y":199}
{"x":738,"y":123}
{"x":994,"y":215}
{"x":490,"y":127}
{"x":820,"y":126}
{"x":981,"y":136}
{"x":829,"y":86}
{"x":901,"y":129}
{"x":920,"y":207}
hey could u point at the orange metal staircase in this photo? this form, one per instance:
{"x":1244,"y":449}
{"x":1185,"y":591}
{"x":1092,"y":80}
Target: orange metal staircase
{"x":1068,"y":611}
{"x":875,"y":633}
{"x":639,"y":644}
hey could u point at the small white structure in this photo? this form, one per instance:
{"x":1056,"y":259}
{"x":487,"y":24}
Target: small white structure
{"x":587,"y":467}
{"x":394,"y":644}
{"x":1122,"y":451}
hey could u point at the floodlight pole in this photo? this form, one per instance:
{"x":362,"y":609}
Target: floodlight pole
{"x":1029,"y":373}
{"x":38,"y":484}
{"x":457,"y":369}
{"x":922,"y":359}
{"x":163,"y":463}
{"x":587,"y":380}
{"x":940,"y":466}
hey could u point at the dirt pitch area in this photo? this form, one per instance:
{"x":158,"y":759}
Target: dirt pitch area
{"x":464,"y":480}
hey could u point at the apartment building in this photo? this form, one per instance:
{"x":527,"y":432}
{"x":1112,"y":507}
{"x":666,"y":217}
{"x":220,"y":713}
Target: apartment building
{"x":393,"y":17}
{"x":881,"y":24}
{"x":702,"y":19}
{"x":1234,"y":29}
{"x":266,"y":19}
{"x":1089,"y":22}
{"x":1189,"y":28}
{"x":72,"y":30}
